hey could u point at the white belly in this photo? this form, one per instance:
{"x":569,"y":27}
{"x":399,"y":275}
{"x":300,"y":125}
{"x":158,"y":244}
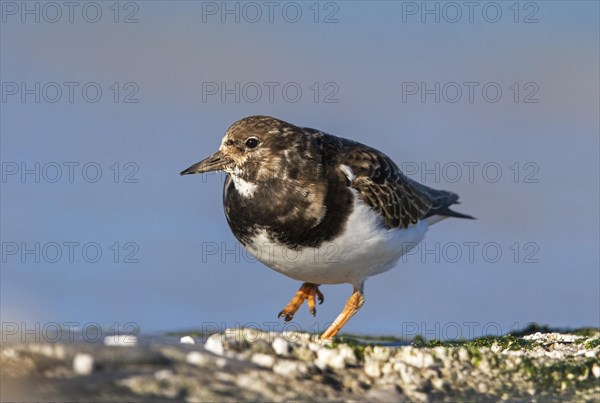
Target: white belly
{"x":366,"y":248}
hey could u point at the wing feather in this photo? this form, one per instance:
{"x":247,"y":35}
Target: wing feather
{"x":380,"y":183}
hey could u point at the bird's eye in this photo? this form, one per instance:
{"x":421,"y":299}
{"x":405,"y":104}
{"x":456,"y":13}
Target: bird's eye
{"x":252,"y":142}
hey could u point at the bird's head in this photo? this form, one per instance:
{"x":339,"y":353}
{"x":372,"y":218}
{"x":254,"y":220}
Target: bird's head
{"x":254,"y":148}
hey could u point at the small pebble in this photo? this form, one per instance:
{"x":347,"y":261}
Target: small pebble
{"x":596,"y":371}
{"x":83,"y":364}
{"x":187,"y":340}
{"x":372,"y":369}
{"x":214,"y":344}
{"x":263,"y":360}
{"x":281,"y":346}
{"x":197,"y":358}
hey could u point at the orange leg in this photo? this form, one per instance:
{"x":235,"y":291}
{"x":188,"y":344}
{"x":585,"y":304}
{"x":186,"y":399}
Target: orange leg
{"x":306,"y":292}
{"x":356,"y":300}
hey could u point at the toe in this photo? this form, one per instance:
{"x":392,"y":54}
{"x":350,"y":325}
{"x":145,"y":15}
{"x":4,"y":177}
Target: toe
{"x":311,"y":304}
{"x":320,"y":296}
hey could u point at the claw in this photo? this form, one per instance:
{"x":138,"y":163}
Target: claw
{"x":311,"y":304}
{"x":287,"y":316}
{"x":320,"y":296}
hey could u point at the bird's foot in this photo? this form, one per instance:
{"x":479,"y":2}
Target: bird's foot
{"x":307,"y":291}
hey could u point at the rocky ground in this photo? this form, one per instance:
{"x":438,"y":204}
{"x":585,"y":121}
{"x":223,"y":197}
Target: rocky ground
{"x":246,"y":364}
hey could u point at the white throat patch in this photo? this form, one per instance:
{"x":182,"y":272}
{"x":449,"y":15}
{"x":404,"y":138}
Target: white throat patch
{"x":246,"y":189}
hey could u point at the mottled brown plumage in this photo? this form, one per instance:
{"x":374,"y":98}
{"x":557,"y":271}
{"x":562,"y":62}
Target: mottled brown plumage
{"x":380,"y":183}
{"x":300,"y":189}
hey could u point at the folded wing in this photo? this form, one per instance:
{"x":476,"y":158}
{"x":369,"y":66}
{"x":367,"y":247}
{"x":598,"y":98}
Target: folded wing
{"x":380,"y":183}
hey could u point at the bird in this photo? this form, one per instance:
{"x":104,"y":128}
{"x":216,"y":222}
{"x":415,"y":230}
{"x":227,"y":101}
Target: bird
{"x":319,"y":208}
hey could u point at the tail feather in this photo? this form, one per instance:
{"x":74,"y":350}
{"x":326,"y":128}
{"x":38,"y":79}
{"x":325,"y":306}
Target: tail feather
{"x":451,"y":213}
{"x":441,"y":200}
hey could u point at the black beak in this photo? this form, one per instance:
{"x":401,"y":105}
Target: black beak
{"x":216,"y":162}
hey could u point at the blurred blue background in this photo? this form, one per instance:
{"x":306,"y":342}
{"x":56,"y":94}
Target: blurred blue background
{"x":179,"y":267}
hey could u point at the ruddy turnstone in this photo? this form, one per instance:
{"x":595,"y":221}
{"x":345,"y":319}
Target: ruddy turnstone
{"x":320,"y":209}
